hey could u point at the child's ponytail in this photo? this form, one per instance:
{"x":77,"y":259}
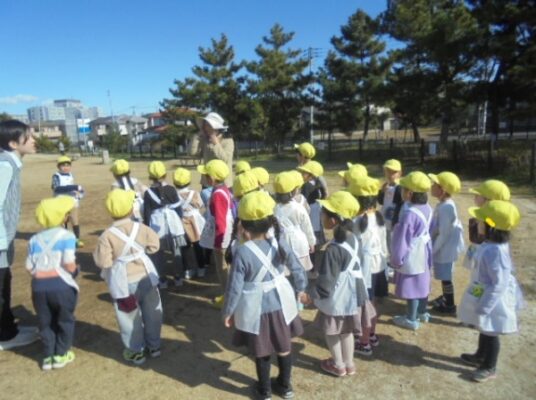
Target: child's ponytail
{"x":340,"y":233}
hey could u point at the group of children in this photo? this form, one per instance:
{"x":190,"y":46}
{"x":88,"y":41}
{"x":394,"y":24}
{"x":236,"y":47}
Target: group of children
{"x":265,"y":247}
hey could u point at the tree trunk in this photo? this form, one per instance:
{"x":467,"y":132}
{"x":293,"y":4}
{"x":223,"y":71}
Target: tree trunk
{"x":330,"y":138}
{"x":367,"y":121}
{"x":416,"y":134}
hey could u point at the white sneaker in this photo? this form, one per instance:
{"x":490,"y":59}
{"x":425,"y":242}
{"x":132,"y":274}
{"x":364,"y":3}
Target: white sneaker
{"x":22,"y":339}
{"x":190,"y":274}
{"x":201,"y":272}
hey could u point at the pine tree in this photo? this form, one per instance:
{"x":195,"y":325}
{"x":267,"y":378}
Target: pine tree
{"x":278,"y":84}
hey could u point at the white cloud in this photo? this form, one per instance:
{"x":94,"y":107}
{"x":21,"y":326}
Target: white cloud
{"x":18,"y":99}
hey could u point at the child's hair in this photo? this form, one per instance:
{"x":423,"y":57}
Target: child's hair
{"x":283,"y":198}
{"x":496,"y":235}
{"x":419,"y":198}
{"x":344,"y":226}
{"x":261,"y":226}
{"x":182,"y":186}
{"x":12,"y":130}
{"x":366,"y":203}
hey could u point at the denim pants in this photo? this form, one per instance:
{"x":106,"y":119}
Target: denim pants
{"x":141,"y":327}
{"x":55,"y":312}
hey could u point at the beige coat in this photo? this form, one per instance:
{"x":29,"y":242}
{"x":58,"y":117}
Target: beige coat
{"x":109,"y":248}
{"x":223,"y":150}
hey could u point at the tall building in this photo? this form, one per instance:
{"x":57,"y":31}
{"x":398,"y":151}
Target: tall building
{"x":66,"y":110}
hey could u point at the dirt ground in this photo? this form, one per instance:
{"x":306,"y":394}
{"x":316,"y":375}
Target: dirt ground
{"x":198,"y":360}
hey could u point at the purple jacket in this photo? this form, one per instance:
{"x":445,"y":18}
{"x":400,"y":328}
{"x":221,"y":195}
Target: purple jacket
{"x":409,"y":227}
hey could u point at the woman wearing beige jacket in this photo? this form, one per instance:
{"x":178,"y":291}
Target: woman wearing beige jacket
{"x":211,"y":144}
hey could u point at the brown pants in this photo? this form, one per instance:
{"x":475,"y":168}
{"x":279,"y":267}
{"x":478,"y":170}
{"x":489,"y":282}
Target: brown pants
{"x":222,"y":268}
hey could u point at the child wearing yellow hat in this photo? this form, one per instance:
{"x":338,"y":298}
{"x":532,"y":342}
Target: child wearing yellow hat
{"x":123,"y":180}
{"x":390,"y":196}
{"x":52,"y":263}
{"x":492,"y":300}
{"x":353,"y":172}
{"x":161,"y":212}
{"x":298,"y":196}
{"x":190,"y":204}
{"x":305,"y":152}
{"x":132,"y":279}
{"x":369,"y":228}
{"x":241,"y":167}
{"x":492,"y":189}
{"x":63,"y":184}
{"x":411,"y":250}
{"x":218,"y":228}
{"x":447,"y":237}
{"x":294,"y":223}
{"x":313,"y":190}
{"x":259,"y":300}
{"x":339,"y":291}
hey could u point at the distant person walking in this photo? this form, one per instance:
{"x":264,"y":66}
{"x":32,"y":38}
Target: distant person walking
{"x":213,"y":143}
{"x":61,"y":148}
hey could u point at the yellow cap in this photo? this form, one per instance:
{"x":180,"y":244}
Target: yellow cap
{"x":312,"y":167}
{"x":498,"y":214}
{"x":298,"y":178}
{"x":341,"y":203}
{"x":393,"y":165}
{"x":182,"y":177}
{"x":256,"y":205}
{"x":285,"y":182}
{"x":51,"y":212}
{"x":353,"y":172}
{"x":120,"y":167}
{"x":492,"y":189}
{"x":241,"y":166}
{"x":416,"y":181}
{"x":119,"y":202}
{"x":262,"y":175}
{"x":156,"y":169}
{"x":448,"y":181}
{"x":216,"y":169}
{"x":244,"y":183}
{"x":364,"y":186}
{"x":64,"y":160}
{"x":307,"y":150}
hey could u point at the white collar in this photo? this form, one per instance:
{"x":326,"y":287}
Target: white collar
{"x":15,"y":158}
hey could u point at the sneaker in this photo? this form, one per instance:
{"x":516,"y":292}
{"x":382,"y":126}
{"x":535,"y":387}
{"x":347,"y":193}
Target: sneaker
{"x":135,"y":357}
{"x":424,"y":317}
{"x":178,"y":281}
{"x":350,"y":371}
{"x":62,"y":361}
{"x":22,"y":339}
{"x":79,"y":243}
{"x":363,"y":349}
{"x":285,"y":392}
{"x":329,"y":366}
{"x":260,"y":395}
{"x":218,"y":301}
{"x":190,"y":274}
{"x":154,"y":353}
{"x":201,"y":272}
{"x":162,"y":284}
{"x":483,"y":375}
{"x":47,"y":364}
{"x":437,"y":301}
{"x":472,"y":359}
{"x":444,"y":309}
{"x":374,"y":340}
{"x":403,"y":322}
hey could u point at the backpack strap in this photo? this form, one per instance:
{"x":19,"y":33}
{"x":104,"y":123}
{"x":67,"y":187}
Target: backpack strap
{"x":154,"y":196}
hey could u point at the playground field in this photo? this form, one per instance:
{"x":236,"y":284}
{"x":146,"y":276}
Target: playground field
{"x":198,"y":360}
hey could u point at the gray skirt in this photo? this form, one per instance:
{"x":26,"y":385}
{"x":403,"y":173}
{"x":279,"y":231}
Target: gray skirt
{"x":274,"y":335}
{"x":337,"y":325}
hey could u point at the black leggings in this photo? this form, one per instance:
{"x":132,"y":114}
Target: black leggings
{"x":488,"y":350}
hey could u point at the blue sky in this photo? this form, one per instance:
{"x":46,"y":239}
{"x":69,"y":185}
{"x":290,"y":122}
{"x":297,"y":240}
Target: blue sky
{"x":135,"y":49}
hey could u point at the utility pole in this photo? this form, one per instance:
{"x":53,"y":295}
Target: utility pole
{"x":311,"y":52}
{"x":111,"y":109}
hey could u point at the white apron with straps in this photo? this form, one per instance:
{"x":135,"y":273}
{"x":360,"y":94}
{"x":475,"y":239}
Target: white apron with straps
{"x":43,"y":259}
{"x":190,"y":211}
{"x":503,"y":317}
{"x":247,"y":316}
{"x":291,"y":233}
{"x":343,"y":300}
{"x":126,"y":184}
{"x":116,"y":276}
{"x":165,"y":220}
{"x":371,"y":253}
{"x":416,"y":262}
{"x":208,"y":235}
